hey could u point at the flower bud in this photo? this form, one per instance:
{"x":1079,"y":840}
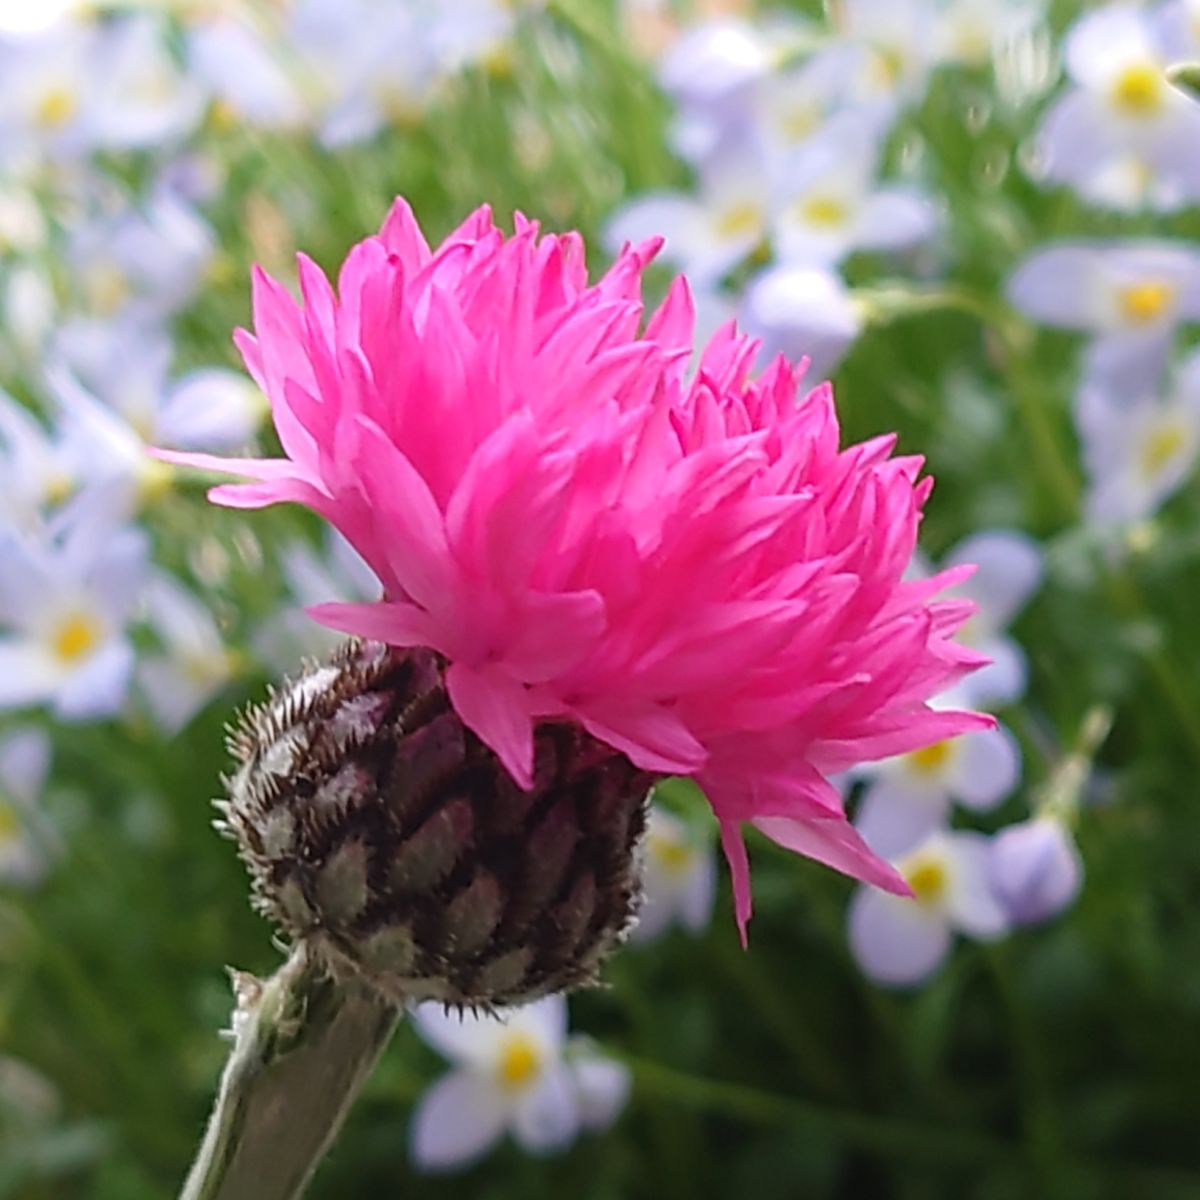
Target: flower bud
{"x":388,"y":838}
{"x":1036,"y":870}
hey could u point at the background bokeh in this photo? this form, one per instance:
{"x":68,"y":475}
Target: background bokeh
{"x":150,"y":155}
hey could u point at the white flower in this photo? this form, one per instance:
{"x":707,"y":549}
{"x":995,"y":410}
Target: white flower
{"x":64,"y":604}
{"x":1139,"y":446}
{"x":242,"y":69}
{"x":969,"y":32}
{"x":802,"y":312}
{"x":1008,"y":570}
{"x":1178,"y":24}
{"x":1134,"y":291}
{"x":24,"y":765}
{"x":679,"y":878}
{"x":710,"y":233}
{"x":511,"y":1074}
{"x":910,"y":795}
{"x":1036,"y":869}
{"x":36,"y":470}
{"x":828,"y":205}
{"x":900,"y":941}
{"x":896,"y":43}
{"x":196,"y":663}
{"x":1123,"y":136}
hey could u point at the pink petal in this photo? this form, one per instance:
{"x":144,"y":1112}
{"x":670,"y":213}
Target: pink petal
{"x":496,"y":708}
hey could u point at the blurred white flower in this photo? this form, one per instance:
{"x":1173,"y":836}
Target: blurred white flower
{"x":709,"y":233}
{"x":900,"y":941}
{"x":970,"y":32}
{"x":1036,"y":870}
{"x":1178,"y":27}
{"x":195,"y":664}
{"x":140,"y":263}
{"x":1008,"y":570}
{"x":64,"y":605}
{"x":37,"y":471}
{"x":24,"y":766}
{"x":242,"y":69}
{"x":828,"y":205}
{"x":802,"y":312}
{"x":207,"y":409}
{"x":679,"y":878}
{"x":1132,"y":291}
{"x":896,"y":43}
{"x":910,"y":796}
{"x":511,"y":1074}
{"x":1122,"y":135}
{"x":1139,"y":446}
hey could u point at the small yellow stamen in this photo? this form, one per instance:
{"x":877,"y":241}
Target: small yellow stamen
{"x":927,"y":878}
{"x":75,"y":637}
{"x":740,"y":220}
{"x":56,"y":107}
{"x":1142,"y":303}
{"x":930,"y":759}
{"x":827,"y":212}
{"x":798,"y":122}
{"x":887,"y":66}
{"x":107,"y":288}
{"x":154,"y":480}
{"x":520,"y":1062}
{"x":1160,"y":448}
{"x":1140,"y":90}
{"x":59,"y":487}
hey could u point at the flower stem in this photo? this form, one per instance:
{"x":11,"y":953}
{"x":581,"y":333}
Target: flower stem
{"x":304,"y":1045}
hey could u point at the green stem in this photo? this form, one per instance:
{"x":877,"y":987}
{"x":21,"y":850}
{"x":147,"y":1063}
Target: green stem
{"x":304,"y":1046}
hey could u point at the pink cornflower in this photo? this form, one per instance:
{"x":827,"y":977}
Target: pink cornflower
{"x":685,"y":564}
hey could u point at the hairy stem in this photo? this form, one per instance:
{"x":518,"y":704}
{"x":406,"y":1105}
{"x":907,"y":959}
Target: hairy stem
{"x":303,"y":1047}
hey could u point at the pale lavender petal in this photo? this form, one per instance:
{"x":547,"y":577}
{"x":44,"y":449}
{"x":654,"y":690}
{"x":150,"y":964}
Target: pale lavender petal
{"x":602,"y":1088}
{"x":972,"y":906}
{"x":986,"y":769}
{"x":893,"y":940}
{"x":457,"y":1120}
{"x":1035,"y":869}
{"x":547,"y":1118}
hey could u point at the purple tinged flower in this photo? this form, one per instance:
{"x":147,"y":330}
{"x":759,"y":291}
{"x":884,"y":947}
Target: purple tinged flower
{"x":1035,"y":869}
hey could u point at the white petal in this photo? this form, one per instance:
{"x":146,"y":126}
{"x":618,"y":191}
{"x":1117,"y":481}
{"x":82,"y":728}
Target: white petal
{"x":547,"y":1116}
{"x":894,"y":218}
{"x":670,"y":215}
{"x":465,"y":1037}
{"x":545,"y":1020}
{"x":456,"y":1121}
{"x":1127,"y":367}
{"x":1060,"y":285}
{"x":1035,"y":869}
{"x":1102,"y":42}
{"x":893,"y":940}
{"x":971,"y":905}
{"x":700,"y":892}
{"x":1002,"y":681}
{"x":1077,"y":137}
{"x":28,"y":675}
{"x":98,"y":688}
{"x":24,"y":763}
{"x":602,"y":1088}
{"x":894,"y":820}
{"x":1008,"y":569}
{"x":211,"y":410}
{"x":173,"y":694}
{"x":987,"y":768}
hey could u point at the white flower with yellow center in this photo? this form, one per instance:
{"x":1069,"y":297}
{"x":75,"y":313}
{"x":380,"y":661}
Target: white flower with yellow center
{"x":64,"y":604}
{"x":970,"y":32}
{"x":911,"y":795}
{"x":895,"y":46}
{"x":900,"y":941}
{"x":679,"y":877}
{"x":1139,"y":445}
{"x":1122,"y":136}
{"x":37,"y":472}
{"x":513,"y":1072}
{"x":710,"y":233}
{"x":1127,"y":294}
{"x":24,"y":838}
{"x":827,"y":203}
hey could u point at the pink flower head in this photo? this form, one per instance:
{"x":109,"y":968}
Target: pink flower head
{"x":687,"y":565}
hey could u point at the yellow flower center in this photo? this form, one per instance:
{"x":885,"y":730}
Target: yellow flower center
{"x":75,"y":637}
{"x":930,"y":759}
{"x":1139,"y":90}
{"x":1163,"y":445}
{"x":797,"y":122}
{"x":1142,"y":303}
{"x":59,"y":487}
{"x":887,"y":66}
{"x":927,"y":878}
{"x":56,"y":107}
{"x":671,"y":854}
{"x":107,"y":288}
{"x":154,"y":481}
{"x":10,"y":824}
{"x":741,"y":220}
{"x":520,"y":1062}
{"x":826,"y":211}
